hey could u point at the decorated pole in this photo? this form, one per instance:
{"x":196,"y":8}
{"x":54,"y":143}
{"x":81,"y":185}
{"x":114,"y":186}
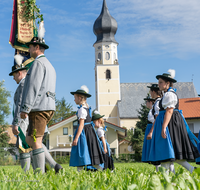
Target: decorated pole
{"x":23,"y":29}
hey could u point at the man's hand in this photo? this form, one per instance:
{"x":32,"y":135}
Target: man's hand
{"x":15,"y":130}
{"x":23,"y":115}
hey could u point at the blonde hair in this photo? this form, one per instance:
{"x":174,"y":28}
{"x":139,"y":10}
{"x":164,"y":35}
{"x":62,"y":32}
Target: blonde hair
{"x":83,"y":100}
{"x":102,"y":121}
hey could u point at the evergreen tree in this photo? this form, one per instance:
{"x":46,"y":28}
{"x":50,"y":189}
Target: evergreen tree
{"x":143,"y":115}
{"x":4,"y":113}
{"x":137,"y":143}
{"x":63,"y":111}
{"x":138,"y":136}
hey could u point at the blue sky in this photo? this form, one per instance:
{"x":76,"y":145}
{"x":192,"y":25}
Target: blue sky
{"x":153,"y":36}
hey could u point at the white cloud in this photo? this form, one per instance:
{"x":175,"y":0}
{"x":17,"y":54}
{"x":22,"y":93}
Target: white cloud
{"x":170,"y":26}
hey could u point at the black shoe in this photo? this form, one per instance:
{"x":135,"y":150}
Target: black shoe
{"x":57,"y":168}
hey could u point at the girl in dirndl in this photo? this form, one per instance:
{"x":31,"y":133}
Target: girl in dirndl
{"x":101,"y":128}
{"x":85,"y":146}
{"x":170,"y":139}
{"x":156,"y":95}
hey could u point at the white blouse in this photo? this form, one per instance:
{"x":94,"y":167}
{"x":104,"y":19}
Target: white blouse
{"x":156,"y":106}
{"x":150,"y":116}
{"x":82,"y":113}
{"x":169,"y":100}
{"x":100,"y":132}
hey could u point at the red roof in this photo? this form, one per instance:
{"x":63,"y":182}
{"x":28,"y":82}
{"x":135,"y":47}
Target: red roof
{"x":190,"y":107}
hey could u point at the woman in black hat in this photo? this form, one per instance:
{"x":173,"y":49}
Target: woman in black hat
{"x":156,"y":94}
{"x":85,"y":147}
{"x":170,"y":140}
{"x":147,"y":143}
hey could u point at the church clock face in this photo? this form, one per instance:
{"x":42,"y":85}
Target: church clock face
{"x":106,"y":46}
{"x":99,"y":47}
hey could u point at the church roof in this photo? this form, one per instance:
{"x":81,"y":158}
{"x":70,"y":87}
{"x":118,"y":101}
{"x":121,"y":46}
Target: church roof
{"x":132,"y":95}
{"x":105,"y":26}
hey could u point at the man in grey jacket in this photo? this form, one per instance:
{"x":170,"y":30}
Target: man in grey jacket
{"x":38,"y":100}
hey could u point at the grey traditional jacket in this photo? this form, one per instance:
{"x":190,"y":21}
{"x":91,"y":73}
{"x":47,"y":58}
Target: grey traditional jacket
{"x":17,"y":104}
{"x":39,"y":87}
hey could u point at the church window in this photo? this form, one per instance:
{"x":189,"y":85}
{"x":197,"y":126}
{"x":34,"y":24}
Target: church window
{"x":115,"y":57}
{"x":99,"y":56}
{"x":107,"y":55}
{"x":108,"y":74}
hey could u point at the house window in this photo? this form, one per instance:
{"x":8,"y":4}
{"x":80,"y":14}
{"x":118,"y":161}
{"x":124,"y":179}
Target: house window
{"x":107,"y":55}
{"x":65,"y":131}
{"x":108,"y":74}
{"x":75,"y":126}
{"x":191,"y":126}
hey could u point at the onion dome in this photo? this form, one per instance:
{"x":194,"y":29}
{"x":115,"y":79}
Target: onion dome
{"x":105,"y":26}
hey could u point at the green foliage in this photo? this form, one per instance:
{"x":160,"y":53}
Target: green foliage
{"x":63,"y":111}
{"x":138,"y":137}
{"x":4,"y":112}
{"x":142,"y":116}
{"x":32,"y":11}
{"x":137,"y":143}
{"x":134,"y":176}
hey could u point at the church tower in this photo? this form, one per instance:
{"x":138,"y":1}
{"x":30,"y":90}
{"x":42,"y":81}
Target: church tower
{"x":107,"y":79}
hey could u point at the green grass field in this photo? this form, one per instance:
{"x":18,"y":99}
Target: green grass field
{"x":125,"y":176}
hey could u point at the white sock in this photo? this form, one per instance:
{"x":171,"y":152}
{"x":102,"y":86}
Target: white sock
{"x":98,"y":167}
{"x":171,"y":167}
{"x":157,"y":167}
{"x":79,"y":169}
{"x":48,"y":157}
{"x":166,"y":166}
{"x":25,"y":161}
{"x":185,"y":164}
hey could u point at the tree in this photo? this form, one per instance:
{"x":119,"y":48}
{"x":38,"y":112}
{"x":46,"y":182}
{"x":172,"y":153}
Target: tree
{"x":138,"y":136}
{"x":4,"y":113}
{"x":63,"y":111}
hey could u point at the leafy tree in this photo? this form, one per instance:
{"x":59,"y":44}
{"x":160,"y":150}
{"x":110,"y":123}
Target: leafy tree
{"x":4,"y":113}
{"x":63,"y":111}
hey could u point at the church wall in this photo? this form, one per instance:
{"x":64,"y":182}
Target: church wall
{"x":114,"y":72}
{"x":128,"y":123}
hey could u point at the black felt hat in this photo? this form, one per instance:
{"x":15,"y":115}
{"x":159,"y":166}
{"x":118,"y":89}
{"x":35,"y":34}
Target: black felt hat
{"x":148,"y":98}
{"x":38,"y":41}
{"x":153,"y":86}
{"x":83,"y":91}
{"x":22,"y":61}
{"x":96,"y":115}
{"x":168,"y":76}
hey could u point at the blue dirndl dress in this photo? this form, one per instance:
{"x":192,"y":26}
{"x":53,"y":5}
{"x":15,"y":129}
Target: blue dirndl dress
{"x":80,"y":154}
{"x":108,"y":160}
{"x":178,"y":144}
{"x":146,"y":144}
{"x":87,"y":152}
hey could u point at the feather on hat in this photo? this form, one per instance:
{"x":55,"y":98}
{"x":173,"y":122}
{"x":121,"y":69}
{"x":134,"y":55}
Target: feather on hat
{"x":18,"y":59}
